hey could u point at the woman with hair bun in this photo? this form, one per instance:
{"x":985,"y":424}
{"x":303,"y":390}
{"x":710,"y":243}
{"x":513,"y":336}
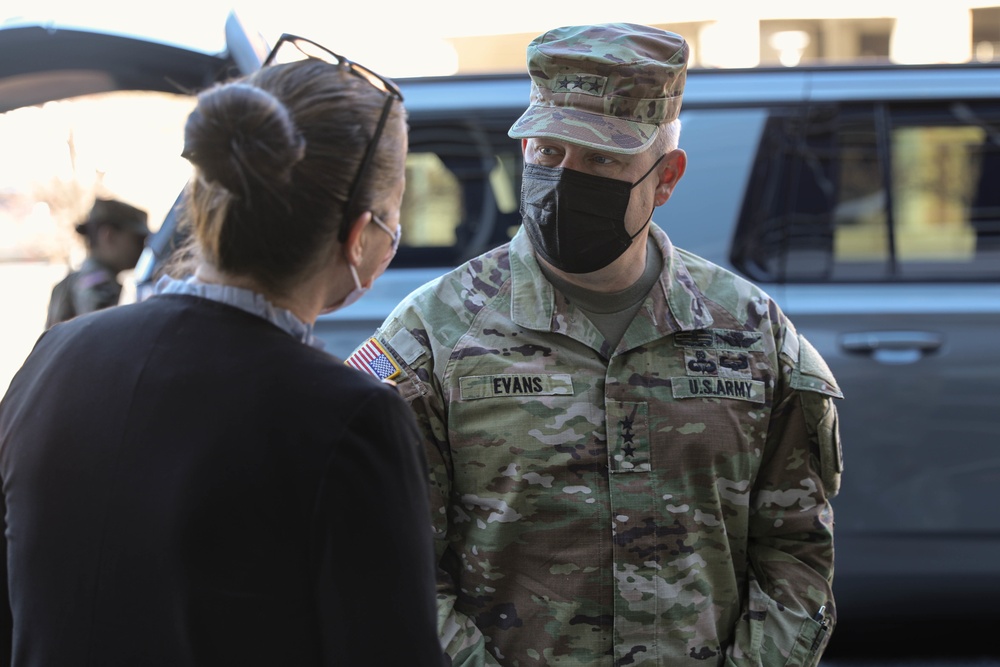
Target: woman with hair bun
{"x":189,"y":480}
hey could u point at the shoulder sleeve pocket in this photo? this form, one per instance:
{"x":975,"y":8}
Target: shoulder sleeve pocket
{"x":817,"y":387}
{"x":811,"y":372}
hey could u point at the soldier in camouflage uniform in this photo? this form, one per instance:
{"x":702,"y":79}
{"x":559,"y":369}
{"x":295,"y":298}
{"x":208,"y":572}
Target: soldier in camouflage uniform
{"x":632,"y":450}
{"x":116,"y":233}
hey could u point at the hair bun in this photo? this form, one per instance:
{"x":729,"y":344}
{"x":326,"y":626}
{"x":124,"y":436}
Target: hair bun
{"x":243,"y":138}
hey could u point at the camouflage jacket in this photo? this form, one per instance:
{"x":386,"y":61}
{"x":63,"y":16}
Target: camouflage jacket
{"x":91,"y":287}
{"x":662,"y":503}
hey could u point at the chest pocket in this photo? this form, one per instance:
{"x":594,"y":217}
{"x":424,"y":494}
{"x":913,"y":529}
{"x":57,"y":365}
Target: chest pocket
{"x":718,"y":365}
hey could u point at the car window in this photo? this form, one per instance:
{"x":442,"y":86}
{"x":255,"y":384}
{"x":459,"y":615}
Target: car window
{"x":462,"y":180}
{"x":880,"y":192}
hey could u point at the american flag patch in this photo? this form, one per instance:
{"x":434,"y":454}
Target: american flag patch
{"x":372,"y":358}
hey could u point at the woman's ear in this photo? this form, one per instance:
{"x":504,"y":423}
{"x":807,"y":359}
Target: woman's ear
{"x":353,"y":248}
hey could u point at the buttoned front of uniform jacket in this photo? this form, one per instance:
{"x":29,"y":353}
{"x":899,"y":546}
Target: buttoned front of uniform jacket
{"x":661,"y":503}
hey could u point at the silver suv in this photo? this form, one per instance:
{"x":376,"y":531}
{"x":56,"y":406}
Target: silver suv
{"x":866,"y":200}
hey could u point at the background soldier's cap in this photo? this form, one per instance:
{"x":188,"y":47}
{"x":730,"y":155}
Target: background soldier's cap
{"x":120,"y":214}
{"x":607,"y":86}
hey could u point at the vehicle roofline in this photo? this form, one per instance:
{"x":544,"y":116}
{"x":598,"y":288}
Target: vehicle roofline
{"x":734,"y":88}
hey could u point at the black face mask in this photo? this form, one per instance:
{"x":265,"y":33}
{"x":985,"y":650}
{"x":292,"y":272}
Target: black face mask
{"x":576,"y":221}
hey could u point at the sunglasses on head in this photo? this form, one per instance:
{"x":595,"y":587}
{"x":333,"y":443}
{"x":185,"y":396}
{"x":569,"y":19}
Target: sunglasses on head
{"x":291,"y":48}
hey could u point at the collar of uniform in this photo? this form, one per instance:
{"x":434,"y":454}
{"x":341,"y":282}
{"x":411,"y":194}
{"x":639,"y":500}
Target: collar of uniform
{"x":533,"y":299}
{"x":685,"y":300}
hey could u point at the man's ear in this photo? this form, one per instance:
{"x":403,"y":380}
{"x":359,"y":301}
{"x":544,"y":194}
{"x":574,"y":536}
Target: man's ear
{"x":674,"y":165}
{"x":353,"y":247}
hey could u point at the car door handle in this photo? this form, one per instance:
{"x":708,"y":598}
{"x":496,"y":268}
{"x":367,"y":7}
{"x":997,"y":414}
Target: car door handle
{"x":892,"y":347}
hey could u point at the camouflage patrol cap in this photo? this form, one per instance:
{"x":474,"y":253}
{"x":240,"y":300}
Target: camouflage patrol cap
{"x":607,"y":86}
{"x":117,"y":213}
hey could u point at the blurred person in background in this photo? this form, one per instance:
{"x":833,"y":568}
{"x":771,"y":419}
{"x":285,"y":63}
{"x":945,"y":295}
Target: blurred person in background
{"x":189,"y":480}
{"x":632,"y":450}
{"x":115,"y":234}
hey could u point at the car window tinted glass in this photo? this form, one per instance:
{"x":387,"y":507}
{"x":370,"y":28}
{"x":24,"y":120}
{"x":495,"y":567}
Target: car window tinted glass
{"x":936,"y":170}
{"x":432,"y":203}
{"x":462,"y":180}
{"x":875,"y":193}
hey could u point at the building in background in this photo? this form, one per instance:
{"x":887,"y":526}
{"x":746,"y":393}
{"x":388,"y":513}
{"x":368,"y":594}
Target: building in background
{"x":791,"y":33}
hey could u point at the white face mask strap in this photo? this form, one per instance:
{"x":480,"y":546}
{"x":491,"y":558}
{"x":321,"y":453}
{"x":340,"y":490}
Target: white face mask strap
{"x":357,"y":279}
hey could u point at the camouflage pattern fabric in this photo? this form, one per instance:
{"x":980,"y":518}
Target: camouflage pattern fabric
{"x":662,"y":503}
{"x":608,"y":86}
{"x":91,"y":287}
